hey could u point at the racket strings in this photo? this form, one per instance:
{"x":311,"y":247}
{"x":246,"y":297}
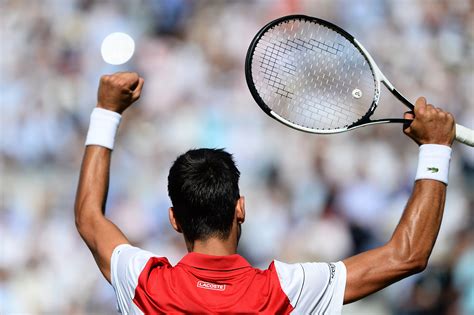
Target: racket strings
{"x":312,"y":76}
{"x":271,"y":75}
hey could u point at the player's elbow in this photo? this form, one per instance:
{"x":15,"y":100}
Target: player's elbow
{"x":81,"y":224}
{"x":416,"y":265}
{"x":422,"y":263}
{"x":79,"y":221}
{"x":87,"y":211}
{"x":84,"y":221}
{"x":408,"y":261}
{"x":79,"y":217}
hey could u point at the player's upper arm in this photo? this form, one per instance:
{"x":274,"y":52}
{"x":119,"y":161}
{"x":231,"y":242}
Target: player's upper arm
{"x":102,"y":237}
{"x":313,"y":288}
{"x":375,"y":269}
{"x":126,"y":265}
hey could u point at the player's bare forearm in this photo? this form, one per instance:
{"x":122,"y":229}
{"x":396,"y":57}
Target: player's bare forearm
{"x":411,"y":244}
{"x":418,"y":228}
{"x":409,"y":248}
{"x":100,"y":235}
{"x":93,"y":182}
{"x":116,"y":93}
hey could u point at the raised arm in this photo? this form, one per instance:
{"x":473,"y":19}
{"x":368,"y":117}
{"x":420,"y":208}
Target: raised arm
{"x":411,"y":244}
{"x":116,"y":93}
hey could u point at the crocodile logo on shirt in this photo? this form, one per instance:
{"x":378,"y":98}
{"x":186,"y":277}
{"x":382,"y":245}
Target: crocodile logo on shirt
{"x":210,"y":286}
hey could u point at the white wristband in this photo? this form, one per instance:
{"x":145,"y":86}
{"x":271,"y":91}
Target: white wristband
{"x":433,"y":162}
{"x":103,"y":127}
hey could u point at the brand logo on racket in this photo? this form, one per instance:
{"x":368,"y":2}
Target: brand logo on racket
{"x":433,"y":169}
{"x":357,"y":93}
{"x":210,"y":286}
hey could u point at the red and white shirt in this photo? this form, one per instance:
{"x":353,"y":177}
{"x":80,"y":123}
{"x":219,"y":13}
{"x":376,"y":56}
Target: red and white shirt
{"x":147,"y":284}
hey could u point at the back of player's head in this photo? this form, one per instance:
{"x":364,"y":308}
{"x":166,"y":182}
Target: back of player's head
{"x":203,"y":186}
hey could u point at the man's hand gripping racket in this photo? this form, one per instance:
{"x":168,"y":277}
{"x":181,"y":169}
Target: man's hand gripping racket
{"x":313,"y":76}
{"x":429,"y":125}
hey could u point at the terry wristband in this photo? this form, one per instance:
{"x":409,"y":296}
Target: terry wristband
{"x":433,"y":162}
{"x":103,"y":127}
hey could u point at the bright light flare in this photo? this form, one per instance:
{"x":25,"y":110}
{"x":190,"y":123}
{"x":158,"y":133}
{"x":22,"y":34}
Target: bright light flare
{"x":117,"y":48}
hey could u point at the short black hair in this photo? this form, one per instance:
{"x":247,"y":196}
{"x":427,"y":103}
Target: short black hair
{"x":203,"y":185}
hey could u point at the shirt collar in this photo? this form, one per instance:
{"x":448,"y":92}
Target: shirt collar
{"x":210,"y":262}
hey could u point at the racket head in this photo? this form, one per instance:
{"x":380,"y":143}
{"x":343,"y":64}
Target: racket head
{"x":295,"y":70}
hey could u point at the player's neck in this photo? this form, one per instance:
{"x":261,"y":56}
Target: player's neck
{"x":217,"y":246}
{"x":214,"y":246}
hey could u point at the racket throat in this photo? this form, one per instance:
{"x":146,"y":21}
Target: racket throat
{"x":367,"y":122}
{"x":398,"y":95}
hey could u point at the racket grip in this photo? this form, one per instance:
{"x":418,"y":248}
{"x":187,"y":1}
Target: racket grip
{"x":465,"y":135}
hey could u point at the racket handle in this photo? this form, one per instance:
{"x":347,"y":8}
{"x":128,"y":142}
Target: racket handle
{"x":465,"y":135}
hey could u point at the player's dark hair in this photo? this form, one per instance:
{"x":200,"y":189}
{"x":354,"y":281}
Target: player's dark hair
{"x":203,"y":186}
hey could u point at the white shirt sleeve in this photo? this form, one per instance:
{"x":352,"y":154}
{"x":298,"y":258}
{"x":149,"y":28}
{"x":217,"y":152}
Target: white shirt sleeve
{"x":313,"y":288}
{"x":125,"y":267}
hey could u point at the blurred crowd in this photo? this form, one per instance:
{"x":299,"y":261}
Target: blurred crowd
{"x":308,"y":197}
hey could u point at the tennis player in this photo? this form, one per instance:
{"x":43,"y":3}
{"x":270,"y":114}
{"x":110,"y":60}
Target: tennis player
{"x":208,"y":210}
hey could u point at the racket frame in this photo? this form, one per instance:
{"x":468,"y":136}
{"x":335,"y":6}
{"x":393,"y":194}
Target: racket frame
{"x":463,"y":134}
{"x":378,"y":76}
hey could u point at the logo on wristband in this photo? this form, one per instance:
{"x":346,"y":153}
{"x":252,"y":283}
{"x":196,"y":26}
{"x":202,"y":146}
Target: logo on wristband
{"x":432,"y":169}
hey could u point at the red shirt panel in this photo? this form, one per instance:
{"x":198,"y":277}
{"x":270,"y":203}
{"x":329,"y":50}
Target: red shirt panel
{"x":209,"y":284}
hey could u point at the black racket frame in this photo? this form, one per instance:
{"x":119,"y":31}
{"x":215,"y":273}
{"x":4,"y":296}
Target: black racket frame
{"x":363,"y":121}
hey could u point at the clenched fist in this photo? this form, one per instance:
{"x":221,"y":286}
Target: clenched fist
{"x":119,"y":90}
{"x":430,"y":124}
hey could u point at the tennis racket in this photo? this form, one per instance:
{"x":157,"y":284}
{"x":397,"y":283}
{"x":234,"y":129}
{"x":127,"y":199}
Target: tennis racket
{"x":313,"y":76}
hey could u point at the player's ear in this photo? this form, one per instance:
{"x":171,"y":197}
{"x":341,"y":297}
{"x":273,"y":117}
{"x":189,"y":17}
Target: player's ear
{"x":240,"y":210}
{"x":173,"y":221}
